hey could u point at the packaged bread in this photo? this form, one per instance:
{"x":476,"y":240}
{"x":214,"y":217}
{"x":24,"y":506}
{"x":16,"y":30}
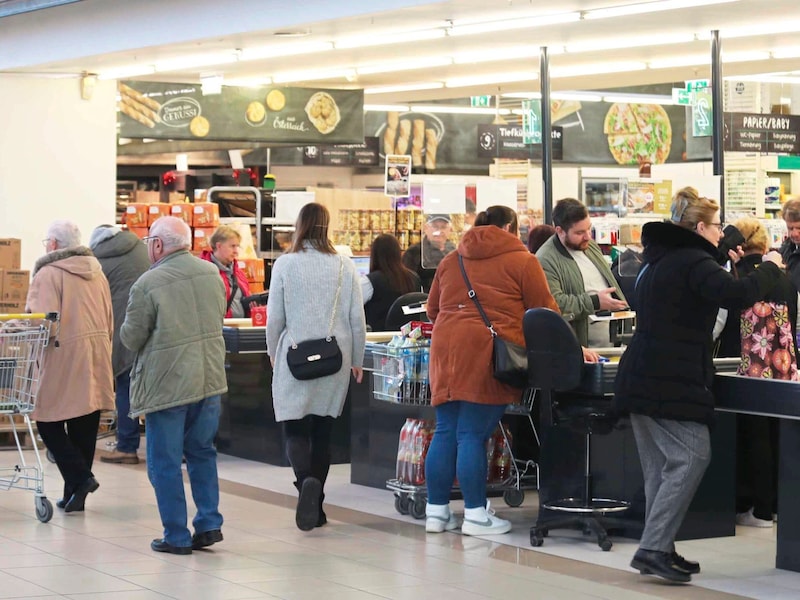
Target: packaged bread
{"x":389,"y":134}
{"x":431,"y":144}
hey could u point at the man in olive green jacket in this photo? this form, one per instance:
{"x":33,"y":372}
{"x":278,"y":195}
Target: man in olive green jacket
{"x":577,"y":273}
{"x":174,"y":324}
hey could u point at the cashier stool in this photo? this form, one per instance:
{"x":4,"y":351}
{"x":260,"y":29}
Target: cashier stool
{"x":555,"y":369}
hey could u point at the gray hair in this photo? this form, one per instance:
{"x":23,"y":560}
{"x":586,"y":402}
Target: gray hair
{"x":64,"y":233}
{"x":173,"y":232}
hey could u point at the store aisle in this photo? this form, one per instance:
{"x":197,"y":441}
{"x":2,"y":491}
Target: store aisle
{"x":104,"y":552}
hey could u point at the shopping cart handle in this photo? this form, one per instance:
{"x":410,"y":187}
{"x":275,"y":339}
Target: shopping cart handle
{"x":51,"y":316}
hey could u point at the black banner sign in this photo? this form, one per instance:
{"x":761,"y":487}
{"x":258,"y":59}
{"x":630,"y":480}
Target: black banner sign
{"x":505,"y":141}
{"x":344,"y":155}
{"x":178,"y":111}
{"x":753,"y":132}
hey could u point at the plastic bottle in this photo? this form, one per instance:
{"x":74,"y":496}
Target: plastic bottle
{"x":418,"y":460}
{"x":402,"y":445}
{"x":503,"y":457}
{"x":424,"y":367}
{"x":408,"y":471}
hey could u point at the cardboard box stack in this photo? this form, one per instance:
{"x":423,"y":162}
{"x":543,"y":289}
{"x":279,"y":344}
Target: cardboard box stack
{"x":202,"y":217}
{"x":14,"y":282}
{"x":254,"y":269}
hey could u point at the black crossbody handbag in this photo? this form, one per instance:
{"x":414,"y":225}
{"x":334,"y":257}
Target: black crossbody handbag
{"x":509,"y":360}
{"x":321,"y":357}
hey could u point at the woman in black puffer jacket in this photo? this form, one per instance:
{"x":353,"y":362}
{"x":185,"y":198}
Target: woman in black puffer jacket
{"x":666,"y":374}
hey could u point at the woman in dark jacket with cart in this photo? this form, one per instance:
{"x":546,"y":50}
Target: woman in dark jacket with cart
{"x":388,"y":279}
{"x":666,"y":374}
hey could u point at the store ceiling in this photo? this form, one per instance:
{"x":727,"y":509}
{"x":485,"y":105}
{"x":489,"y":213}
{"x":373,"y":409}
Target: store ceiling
{"x":765,"y":41}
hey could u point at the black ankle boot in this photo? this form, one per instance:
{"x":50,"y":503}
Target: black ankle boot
{"x":653,"y":562}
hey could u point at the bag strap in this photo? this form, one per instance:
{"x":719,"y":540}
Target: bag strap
{"x":335,"y":306}
{"x":234,"y":289}
{"x":471,"y":293}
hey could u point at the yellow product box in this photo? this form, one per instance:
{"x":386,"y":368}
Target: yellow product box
{"x":10,"y":253}
{"x":15,"y":285}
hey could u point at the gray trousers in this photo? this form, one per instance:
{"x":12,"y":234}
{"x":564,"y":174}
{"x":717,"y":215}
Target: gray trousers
{"x":674,"y":457}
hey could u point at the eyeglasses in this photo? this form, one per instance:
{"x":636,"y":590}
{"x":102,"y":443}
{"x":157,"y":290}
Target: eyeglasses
{"x":149,"y":238}
{"x":45,"y":241}
{"x":717,"y":225}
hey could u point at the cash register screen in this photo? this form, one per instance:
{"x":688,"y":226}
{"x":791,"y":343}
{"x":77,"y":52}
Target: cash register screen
{"x":362,"y":264}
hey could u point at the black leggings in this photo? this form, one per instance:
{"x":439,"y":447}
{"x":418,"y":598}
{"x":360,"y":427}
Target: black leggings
{"x":72,"y":443}
{"x":308,"y":447}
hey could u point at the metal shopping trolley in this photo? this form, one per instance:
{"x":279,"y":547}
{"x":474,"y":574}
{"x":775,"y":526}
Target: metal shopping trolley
{"x":400,"y":376}
{"x":23,"y":338}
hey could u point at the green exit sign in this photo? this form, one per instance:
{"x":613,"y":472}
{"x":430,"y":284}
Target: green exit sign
{"x":480,"y":101}
{"x":682,"y":97}
{"x":694,"y":85}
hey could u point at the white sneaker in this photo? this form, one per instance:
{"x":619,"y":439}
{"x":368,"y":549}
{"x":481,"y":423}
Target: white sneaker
{"x":481,"y":521}
{"x":749,"y":520}
{"x":438,"y":518}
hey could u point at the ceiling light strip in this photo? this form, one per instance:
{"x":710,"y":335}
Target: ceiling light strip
{"x":510,"y":24}
{"x":411,"y":87}
{"x":648,"y":7}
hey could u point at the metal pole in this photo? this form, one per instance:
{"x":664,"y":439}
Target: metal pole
{"x":717,"y":116}
{"x":547,"y":139}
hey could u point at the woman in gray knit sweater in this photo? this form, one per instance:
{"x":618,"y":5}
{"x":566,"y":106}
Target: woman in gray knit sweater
{"x":302,"y":295}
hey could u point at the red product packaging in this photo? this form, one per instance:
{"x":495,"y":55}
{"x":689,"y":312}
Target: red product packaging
{"x":258,"y":316}
{"x":427,"y":328}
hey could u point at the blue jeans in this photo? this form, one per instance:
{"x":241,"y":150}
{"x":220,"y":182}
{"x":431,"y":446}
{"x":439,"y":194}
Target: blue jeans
{"x":127,"y":428}
{"x":185,"y":431}
{"x":459,"y":448}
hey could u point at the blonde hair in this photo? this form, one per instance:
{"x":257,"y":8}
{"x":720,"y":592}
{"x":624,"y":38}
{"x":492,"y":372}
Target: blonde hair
{"x":754,"y":234}
{"x":222,"y":235}
{"x":689,"y":208}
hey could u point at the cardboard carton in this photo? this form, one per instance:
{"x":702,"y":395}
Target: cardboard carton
{"x":156,"y":211}
{"x":140,"y":232}
{"x":182,"y":211}
{"x":253,"y":269}
{"x":256,"y":287}
{"x":205,"y":214}
{"x":202,"y":238}
{"x":12,"y":308}
{"x":136,"y":215}
{"x":15,"y":285}
{"x":10,"y":252}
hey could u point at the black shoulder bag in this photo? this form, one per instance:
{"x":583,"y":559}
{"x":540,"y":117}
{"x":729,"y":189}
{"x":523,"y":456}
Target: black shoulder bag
{"x":321,"y":357}
{"x":509,"y":360}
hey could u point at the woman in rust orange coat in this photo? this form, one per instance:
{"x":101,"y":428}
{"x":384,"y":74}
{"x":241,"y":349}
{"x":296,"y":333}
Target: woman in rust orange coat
{"x":469,"y":401}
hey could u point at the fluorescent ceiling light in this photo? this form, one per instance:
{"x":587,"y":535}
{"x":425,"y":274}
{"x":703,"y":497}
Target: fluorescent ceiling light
{"x":648,"y":7}
{"x":766,"y":78}
{"x":249,"y":81}
{"x":638,"y":99}
{"x":363,"y":41}
{"x":386,"y":107}
{"x":680,"y":61}
{"x":749,"y":56}
{"x":276,"y":50}
{"x":411,"y":87}
{"x":198,"y":60}
{"x":404,"y":65}
{"x":632,"y":42}
{"x":491,"y":79}
{"x":522,"y":95}
{"x":126,"y":72}
{"x":458,"y":110}
{"x":580,"y":96}
{"x":296,"y":76}
{"x":509,"y":24}
{"x":597,"y":68}
{"x":789,"y":52}
{"x":528,"y":51}
{"x":771,"y":28}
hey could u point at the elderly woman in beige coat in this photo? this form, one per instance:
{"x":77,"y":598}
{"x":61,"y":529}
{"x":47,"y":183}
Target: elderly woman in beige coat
{"x":76,"y":378}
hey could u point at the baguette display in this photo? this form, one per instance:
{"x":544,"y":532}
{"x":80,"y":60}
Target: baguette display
{"x":401,"y":147}
{"x":417,"y":142}
{"x":389,"y":134}
{"x":138,"y":107}
{"x":431,"y":144}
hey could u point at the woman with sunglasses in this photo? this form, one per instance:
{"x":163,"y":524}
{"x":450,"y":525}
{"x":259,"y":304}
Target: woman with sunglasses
{"x":666,"y":375}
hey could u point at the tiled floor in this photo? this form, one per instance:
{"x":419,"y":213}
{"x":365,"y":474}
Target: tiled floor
{"x":366,"y":551}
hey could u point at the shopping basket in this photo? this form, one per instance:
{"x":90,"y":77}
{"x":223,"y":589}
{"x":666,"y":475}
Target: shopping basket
{"x":23,"y":338}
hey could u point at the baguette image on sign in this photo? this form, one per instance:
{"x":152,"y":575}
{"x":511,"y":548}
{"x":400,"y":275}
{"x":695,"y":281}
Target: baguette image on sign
{"x":638,"y":133}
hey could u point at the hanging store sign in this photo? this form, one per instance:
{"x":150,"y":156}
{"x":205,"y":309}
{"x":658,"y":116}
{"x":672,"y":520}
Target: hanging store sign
{"x":178,"y":111}
{"x":769,"y":134}
{"x":532,"y":121}
{"x":702,"y":112}
{"x":344,"y":155}
{"x":507,"y":141}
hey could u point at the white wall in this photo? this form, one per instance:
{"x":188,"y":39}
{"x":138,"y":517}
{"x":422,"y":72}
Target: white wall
{"x":57,"y":158}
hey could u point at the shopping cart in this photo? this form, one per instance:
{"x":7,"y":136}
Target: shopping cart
{"x":400,"y":376}
{"x":23,"y":338}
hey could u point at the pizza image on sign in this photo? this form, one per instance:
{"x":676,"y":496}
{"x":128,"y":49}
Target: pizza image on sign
{"x":638,"y":133}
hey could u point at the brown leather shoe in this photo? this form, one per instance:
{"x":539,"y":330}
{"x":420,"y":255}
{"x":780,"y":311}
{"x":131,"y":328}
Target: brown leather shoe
{"x":120,"y":458}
